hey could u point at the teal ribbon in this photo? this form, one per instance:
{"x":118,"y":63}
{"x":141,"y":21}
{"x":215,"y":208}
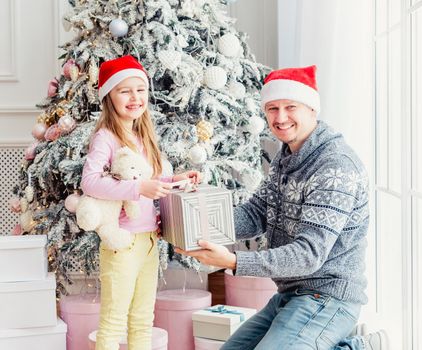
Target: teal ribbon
{"x":221,"y":309}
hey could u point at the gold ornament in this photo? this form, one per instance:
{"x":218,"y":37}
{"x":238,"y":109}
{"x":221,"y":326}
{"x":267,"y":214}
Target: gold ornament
{"x":204,"y":130}
{"x":42,"y":118}
{"x":50,"y":120}
{"x":60,"y":112}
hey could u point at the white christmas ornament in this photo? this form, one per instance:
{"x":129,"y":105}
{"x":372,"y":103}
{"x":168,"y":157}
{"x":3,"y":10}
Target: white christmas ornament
{"x":170,"y":59}
{"x":215,"y":77}
{"x":198,"y":155}
{"x":237,"y":90}
{"x":256,"y":125}
{"x":229,"y":45}
{"x":118,"y":27}
{"x":251,"y":178}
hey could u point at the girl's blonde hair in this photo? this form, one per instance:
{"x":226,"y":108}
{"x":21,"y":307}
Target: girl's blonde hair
{"x":142,"y":127}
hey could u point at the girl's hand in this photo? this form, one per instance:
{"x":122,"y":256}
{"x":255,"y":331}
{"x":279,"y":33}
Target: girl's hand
{"x":154,"y":189}
{"x":192,"y":175}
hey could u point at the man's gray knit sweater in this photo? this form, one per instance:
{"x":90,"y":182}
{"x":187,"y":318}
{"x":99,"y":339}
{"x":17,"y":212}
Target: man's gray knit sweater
{"x":313,"y":208}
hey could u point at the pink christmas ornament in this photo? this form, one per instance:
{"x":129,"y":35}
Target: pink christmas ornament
{"x":15,"y":204}
{"x":38,"y":130}
{"x":67,"y":68}
{"x":66,"y":124}
{"x":17,"y":230}
{"x":30,"y":151}
{"x":52,"y":133}
{"x":53,"y":84}
{"x":71,"y":202}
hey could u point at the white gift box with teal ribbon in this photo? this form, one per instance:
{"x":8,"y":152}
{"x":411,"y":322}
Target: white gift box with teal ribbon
{"x":206,"y":213}
{"x":219,"y":322}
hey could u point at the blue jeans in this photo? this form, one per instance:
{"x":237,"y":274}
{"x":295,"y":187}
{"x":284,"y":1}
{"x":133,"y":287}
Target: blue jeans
{"x":299,"y":320}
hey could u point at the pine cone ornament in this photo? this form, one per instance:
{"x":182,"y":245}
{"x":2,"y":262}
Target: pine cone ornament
{"x":29,"y":193}
{"x":26,"y":221}
{"x":24,"y":204}
{"x":204,"y":130}
{"x":93,"y":72}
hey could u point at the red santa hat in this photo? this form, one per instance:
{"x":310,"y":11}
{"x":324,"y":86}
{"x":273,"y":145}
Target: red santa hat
{"x":114,"y":71}
{"x":296,"y":84}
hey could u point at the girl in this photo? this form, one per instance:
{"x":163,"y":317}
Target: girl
{"x":128,"y":276}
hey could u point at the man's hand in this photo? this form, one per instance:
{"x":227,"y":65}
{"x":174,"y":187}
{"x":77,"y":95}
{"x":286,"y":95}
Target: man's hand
{"x":212,"y":254}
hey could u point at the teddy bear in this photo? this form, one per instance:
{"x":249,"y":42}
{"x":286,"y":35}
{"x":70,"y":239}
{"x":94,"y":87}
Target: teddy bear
{"x":102,"y":216}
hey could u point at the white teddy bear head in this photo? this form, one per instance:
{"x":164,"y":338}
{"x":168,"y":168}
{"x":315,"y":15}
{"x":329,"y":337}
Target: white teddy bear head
{"x":130,"y":165}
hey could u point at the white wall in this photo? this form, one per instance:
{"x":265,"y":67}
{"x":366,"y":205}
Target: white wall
{"x":29,"y":38}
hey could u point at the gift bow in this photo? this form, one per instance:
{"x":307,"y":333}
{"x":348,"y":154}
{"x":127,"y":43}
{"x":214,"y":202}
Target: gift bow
{"x":221,"y":309}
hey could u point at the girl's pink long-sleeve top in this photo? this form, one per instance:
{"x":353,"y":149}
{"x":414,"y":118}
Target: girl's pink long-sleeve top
{"x":102,"y":150}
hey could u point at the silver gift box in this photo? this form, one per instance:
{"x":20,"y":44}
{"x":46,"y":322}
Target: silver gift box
{"x":206,"y":214}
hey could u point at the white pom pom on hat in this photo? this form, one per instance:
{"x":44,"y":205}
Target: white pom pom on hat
{"x":296,"y":84}
{"x":113,"y":72}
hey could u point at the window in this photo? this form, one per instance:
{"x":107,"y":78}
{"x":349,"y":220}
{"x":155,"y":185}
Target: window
{"x":398,"y":162}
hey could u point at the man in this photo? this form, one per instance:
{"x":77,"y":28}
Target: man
{"x":313,"y":209}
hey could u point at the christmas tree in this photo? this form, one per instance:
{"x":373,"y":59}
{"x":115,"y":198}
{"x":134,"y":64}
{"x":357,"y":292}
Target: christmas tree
{"x":204,"y":99}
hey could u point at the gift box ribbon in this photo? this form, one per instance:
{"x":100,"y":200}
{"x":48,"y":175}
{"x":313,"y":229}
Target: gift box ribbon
{"x":221,"y":309}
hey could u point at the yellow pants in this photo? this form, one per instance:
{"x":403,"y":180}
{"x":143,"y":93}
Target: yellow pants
{"x":128,"y":290}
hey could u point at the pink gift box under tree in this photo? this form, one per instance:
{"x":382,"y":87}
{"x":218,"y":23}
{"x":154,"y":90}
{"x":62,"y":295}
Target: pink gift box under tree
{"x":173,"y":312}
{"x":245,"y":291}
{"x":81,"y":314}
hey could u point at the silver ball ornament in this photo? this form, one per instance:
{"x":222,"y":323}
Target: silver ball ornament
{"x":118,"y":27}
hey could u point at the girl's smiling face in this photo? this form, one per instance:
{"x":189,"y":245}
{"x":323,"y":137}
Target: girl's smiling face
{"x":130,"y":99}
